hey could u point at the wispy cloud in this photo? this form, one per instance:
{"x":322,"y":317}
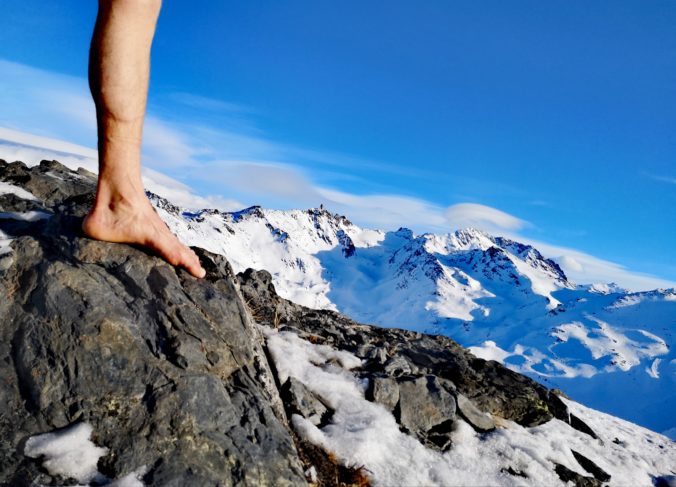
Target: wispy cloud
{"x":584,"y":268}
{"x":241,"y":166}
{"x":482,"y":217}
{"x":663,"y":179}
{"x":31,"y":149}
{"x":211,"y":104}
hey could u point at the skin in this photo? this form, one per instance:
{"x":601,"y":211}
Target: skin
{"x":119,"y":71}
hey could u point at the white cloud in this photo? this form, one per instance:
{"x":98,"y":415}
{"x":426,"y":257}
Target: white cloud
{"x":31,"y":149}
{"x":386,"y":211}
{"x":583,"y":268}
{"x":206,"y":103}
{"x":663,"y":179}
{"x":41,"y":109}
{"x":570,"y":263}
{"x":164,"y":145}
{"x":482,"y":217}
{"x":46,"y":143}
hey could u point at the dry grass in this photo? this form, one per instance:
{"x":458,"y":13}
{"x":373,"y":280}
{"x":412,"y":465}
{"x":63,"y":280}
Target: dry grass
{"x":254,"y":311}
{"x":330,"y":472}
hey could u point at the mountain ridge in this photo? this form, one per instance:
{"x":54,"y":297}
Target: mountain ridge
{"x":500,"y":297}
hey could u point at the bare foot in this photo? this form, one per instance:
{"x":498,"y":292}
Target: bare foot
{"x":136,"y":222}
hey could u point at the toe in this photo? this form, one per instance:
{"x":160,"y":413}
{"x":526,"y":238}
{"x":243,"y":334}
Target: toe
{"x":192,"y":263}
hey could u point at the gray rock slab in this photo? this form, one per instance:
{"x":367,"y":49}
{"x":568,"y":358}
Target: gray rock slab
{"x":424,"y":404}
{"x":479,"y":420}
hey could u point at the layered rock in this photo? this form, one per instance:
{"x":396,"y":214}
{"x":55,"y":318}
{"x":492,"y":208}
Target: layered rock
{"x":167,"y":369}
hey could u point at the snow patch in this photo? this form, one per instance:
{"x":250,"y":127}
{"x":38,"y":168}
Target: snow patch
{"x":489,"y":350}
{"x":362,"y":433}
{"x":608,"y":341}
{"x":26,"y":216}
{"x":654,"y":371}
{"x":69,"y":453}
{"x":5,"y":242}
{"x":7,"y":188}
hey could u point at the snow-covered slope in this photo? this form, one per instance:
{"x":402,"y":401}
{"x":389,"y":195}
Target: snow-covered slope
{"x":602,"y":345}
{"x":365,"y":433}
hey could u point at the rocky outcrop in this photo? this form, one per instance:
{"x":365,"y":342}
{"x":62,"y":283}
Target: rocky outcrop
{"x":172,"y":372}
{"x":168,"y":369}
{"x":396,"y":358}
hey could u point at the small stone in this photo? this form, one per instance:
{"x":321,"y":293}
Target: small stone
{"x":398,"y":366}
{"x":384,"y":390}
{"x":424,"y":404}
{"x":479,"y":420}
{"x":300,"y":400}
{"x":568,"y":475}
{"x":591,"y":467}
{"x":580,"y":425}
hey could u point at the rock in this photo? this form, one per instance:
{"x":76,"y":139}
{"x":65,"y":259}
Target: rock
{"x":479,"y":420}
{"x":377,"y":355}
{"x":491,"y":387}
{"x":109,"y":335}
{"x":425,"y":405}
{"x":567,"y":475}
{"x":300,"y":400}
{"x":398,"y":366}
{"x":665,"y":481}
{"x":512,"y":471}
{"x":591,"y":467}
{"x":383,"y":390}
{"x":580,"y":425}
{"x":558,"y":407}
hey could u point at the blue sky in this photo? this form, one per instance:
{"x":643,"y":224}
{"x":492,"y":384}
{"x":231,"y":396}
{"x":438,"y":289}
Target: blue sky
{"x":550,"y":121}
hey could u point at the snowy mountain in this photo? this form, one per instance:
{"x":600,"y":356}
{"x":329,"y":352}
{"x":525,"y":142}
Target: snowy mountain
{"x":119,"y":369}
{"x":598,"y":343}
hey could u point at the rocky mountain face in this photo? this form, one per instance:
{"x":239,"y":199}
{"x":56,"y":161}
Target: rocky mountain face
{"x":117,"y":369}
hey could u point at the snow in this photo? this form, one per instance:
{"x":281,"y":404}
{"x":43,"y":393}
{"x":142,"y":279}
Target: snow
{"x":654,"y":371}
{"x":69,"y":453}
{"x":7,"y":188}
{"x":5,"y":241}
{"x":27,"y":216}
{"x":362,"y":433}
{"x":489,"y":350}
{"x":604,"y":340}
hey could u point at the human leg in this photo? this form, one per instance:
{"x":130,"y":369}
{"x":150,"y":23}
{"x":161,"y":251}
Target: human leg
{"x":119,"y":68}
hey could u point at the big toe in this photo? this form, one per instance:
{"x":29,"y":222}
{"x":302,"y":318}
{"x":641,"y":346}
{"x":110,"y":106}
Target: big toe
{"x":191,"y":263}
{"x":178,"y":254}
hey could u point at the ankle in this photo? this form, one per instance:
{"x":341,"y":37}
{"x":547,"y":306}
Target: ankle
{"x":112,"y":197}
